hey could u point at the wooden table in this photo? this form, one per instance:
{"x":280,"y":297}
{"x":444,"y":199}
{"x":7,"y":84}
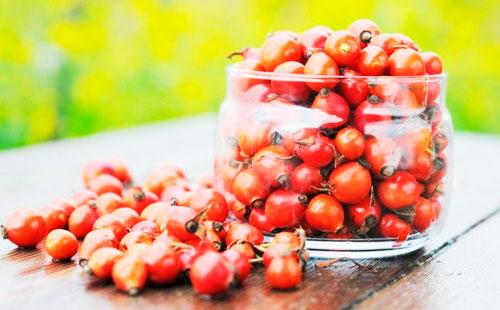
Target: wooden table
{"x":460,"y":268}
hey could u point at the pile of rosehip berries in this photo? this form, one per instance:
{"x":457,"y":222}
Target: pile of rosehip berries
{"x":162,"y":232}
{"x":337,"y":132}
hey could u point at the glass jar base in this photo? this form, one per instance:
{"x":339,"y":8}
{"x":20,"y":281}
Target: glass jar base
{"x":362,"y":248}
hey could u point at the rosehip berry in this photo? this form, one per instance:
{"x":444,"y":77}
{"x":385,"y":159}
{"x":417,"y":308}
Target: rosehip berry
{"x":102,"y":260}
{"x":161,"y":177}
{"x":285,"y":208}
{"x":128,"y":217}
{"x":317,"y":151}
{"x":273,"y":165}
{"x":350,"y":142}
{"x":284,"y":273}
{"x":399,"y":191}
{"x":279,"y":48}
{"x":306,"y":179}
{"x":291,"y":239}
{"x":61,"y":244}
{"x":105,"y":184}
{"x":364,"y":30}
{"x":354,"y":89}
{"x":243,"y":232}
{"x":135,"y":237}
{"x":294,"y":91}
{"x":137,"y":198}
{"x":350,"y":182}
{"x":211,"y":274}
{"x":365,"y":214}
{"x":392,"y":226}
{"x":373,"y":61}
{"x":147,"y":226}
{"x":94,"y":240}
{"x":252,"y":136}
{"x":81,"y":197}
{"x":325,"y":213}
{"x":425,"y":214}
{"x":163,"y":263}
{"x":82,"y":220}
{"x":406,"y":62}
{"x":112,"y":222}
{"x":321,"y":64}
{"x":334,"y":105}
{"x":108,"y":202}
{"x":249,"y":189}
{"x":390,"y":42}
{"x":343,"y":47}
{"x":212,"y":201}
{"x":314,"y":39}
{"x":240,"y":263}
{"x":129,"y":274}
{"x":259,"y":220}
{"x":433,"y":64}
{"x":383,"y":155}
{"x":55,"y":216}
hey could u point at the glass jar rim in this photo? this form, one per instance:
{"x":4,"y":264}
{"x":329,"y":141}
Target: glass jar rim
{"x":234,"y":70}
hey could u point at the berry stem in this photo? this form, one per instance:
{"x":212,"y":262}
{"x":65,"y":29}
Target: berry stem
{"x":3,"y":232}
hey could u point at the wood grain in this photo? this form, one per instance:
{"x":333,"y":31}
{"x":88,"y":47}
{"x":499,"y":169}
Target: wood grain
{"x":463,"y":277}
{"x":34,"y":175}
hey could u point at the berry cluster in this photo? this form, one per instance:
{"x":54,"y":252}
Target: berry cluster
{"x":338,"y":132}
{"x":162,"y":232}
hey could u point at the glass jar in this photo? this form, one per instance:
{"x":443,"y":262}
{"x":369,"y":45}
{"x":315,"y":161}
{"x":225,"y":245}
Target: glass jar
{"x":360,"y":163}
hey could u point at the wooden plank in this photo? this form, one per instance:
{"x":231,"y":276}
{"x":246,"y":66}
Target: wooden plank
{"x":464,"y":277}
{"x":32,"y":176}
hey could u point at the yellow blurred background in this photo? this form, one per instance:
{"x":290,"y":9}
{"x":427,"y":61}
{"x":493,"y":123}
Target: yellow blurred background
{"x":70,"y":68}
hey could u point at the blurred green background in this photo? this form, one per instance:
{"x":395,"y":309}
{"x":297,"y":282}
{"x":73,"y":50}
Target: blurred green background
{"x":70,"y":68}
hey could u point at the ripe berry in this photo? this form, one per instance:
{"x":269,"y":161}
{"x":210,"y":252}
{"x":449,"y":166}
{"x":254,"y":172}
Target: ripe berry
{"x":314,"y":39}
{"x":425,"y":214}
{"x":294,"y":91}
{"x":365,"y":214}
{"x":433,"y":64}
{"x":105,"y":184}
{"x":406,"y":62}
{"x":243,"y":232}
{"x":102,"y":260}
{"x":364,"y":30}
{"x":94,"y":240}
{"x":285,"y":208}
{"x":306,"y":179}
{"x":163,"y":263}
{"x":55,"y":216}
{"x":321,"y":64}
{"x":108,"y":202}
{"x":135,"y":237}
{"x":399,"y":191}
{"x":325,"y":213}
{"x":161,"y":177}
{"x":343,"y":47}
{"x":279,"y":48}
{"x":240,"y":263}
{"x":128,"y":217}
{"x":373,"y":61}
{"x":24,"y":227}
{"x":354,"y":89}
{"x":130,"y":274}
{"x":82,"y":220}
{"x":284,"y":273}
{"x":137,"y":198}
{"x":213,"y":202}
{"x":334,"y":105}
{"x":113,"y":223}
{"x":249,"y":189}
{"x":392,"y":226}
{"x":211,"y":274}
{"x":350,"y":183}
{"x":350,"y":142}
{"x":61,"y":244}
